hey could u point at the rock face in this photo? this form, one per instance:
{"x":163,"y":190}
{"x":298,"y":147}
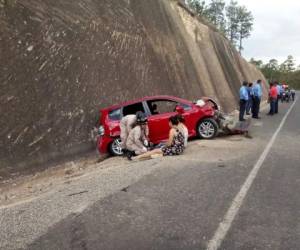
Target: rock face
{"x":62,"y":60}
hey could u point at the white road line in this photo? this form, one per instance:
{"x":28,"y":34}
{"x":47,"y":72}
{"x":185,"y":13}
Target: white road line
{"x":225,"y":225}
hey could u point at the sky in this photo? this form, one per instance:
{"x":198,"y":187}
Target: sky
{"x":276,"y":30}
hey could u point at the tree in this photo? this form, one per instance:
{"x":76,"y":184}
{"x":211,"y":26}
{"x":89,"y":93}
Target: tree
{"x":257,"y":63}
{"x":284,"y":72}
{"x":271,"y":70}
{"x":232,"y":21}
{"x":288,"y":65}
{"x":198,"y":6}
{"x":245,"y":24}
{"x":215,"y":14}
{"x":294,"y":79}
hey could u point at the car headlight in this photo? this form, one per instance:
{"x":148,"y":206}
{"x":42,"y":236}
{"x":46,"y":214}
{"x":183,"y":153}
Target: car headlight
{"x":101,"y":130}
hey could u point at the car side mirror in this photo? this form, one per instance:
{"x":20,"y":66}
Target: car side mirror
{"x":179,"y":109}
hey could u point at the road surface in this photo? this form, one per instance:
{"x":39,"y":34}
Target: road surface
{"x":234,"y":193}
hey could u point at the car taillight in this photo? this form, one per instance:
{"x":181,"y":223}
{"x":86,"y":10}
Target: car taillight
{"x":101,"y":130}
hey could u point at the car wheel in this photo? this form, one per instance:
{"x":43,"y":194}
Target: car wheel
{"x":115,"y":148}
{"x":207,"y":128}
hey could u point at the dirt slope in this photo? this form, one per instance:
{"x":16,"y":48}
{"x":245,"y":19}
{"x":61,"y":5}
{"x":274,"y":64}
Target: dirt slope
{"x":63,"y":60}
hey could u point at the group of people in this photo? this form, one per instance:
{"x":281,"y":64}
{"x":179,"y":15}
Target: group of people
{"x":135,"y":137}
{"x":279,"y":92}
{"x":251,"y":94}
{"x":250,"y":98}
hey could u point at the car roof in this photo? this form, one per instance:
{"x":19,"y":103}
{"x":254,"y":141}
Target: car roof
{"x":148,"y":98}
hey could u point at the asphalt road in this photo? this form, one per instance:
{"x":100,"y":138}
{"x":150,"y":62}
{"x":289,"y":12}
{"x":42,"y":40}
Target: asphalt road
{"x":182,"y":201}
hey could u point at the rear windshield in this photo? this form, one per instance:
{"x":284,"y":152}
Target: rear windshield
{"x":115,"y":115}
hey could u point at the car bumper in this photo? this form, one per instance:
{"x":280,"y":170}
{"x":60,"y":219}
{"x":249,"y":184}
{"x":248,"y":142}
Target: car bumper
{"x":103,"y":144}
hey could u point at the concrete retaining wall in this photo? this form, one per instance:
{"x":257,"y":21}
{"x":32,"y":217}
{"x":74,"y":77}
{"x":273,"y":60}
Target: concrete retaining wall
{"x":62,"y":60}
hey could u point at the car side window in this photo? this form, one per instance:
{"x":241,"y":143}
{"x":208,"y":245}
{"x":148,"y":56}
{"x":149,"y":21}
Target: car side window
{"x":186,"y":107}
{"x":161,"y":106}
{"x":133,"y":108}
{"x":115,"y":115}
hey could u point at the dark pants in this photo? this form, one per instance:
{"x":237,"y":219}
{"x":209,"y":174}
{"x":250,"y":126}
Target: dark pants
{"x":293,"y":96}
{"x":249,"y":105}
{"x":276,"y":105}
{"x":255,"y":106}
{"x":272,"y":106}
{"x":243,"y":104}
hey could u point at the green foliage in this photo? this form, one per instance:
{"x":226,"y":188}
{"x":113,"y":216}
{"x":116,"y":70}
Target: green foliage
{"x":257,"y":63}
{"x":234,"y":21}
{"x":215,"y":14}
{"x":7,"y":3}
{"x":288,"y":65}
{"x":198,"y":6}
{"x":245,"y":24}
{"x":294,"y":79}
{"x":284,"y":72}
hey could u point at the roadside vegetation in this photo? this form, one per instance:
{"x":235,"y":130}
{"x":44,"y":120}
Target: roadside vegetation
{"x":284,"y":72}
{"x":233,"y":20}
{"x":236,"y":23}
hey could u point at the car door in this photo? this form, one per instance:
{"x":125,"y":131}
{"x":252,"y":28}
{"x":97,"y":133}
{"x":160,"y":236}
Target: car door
{"x":158,"y":122}
{"x":189,"y":117}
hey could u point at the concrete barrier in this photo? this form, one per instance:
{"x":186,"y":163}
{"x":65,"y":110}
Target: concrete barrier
{"x":61,"y":61}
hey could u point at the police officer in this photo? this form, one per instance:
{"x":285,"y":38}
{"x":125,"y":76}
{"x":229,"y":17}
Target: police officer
{"x":244,"y":97}
{"x":257,"y":94}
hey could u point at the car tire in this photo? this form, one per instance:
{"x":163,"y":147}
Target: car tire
{"x":115,"y":147}
{"x":207,"y":129}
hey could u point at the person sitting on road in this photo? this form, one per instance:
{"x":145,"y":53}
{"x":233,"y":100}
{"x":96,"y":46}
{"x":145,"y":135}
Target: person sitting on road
{"x":183,"y":128}
{"x":137,"y":140}
{"x":174,"y":146}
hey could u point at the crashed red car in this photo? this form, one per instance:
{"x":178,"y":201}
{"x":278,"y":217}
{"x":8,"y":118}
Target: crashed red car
{"x":199,"y":117}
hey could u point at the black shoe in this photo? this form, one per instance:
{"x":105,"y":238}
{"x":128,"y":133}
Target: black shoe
{"x":242,"y":120}
{"x":247,"y":113}
{"x":256,"y":117}
{"x":129,"y":155}
{"x":124,"y":152}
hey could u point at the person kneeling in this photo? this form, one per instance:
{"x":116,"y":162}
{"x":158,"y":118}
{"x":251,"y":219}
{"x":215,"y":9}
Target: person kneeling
{"x":137,"y":139}
{"x":174,"y":146}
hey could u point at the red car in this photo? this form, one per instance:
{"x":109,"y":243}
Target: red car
{"x":199,"y":118}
